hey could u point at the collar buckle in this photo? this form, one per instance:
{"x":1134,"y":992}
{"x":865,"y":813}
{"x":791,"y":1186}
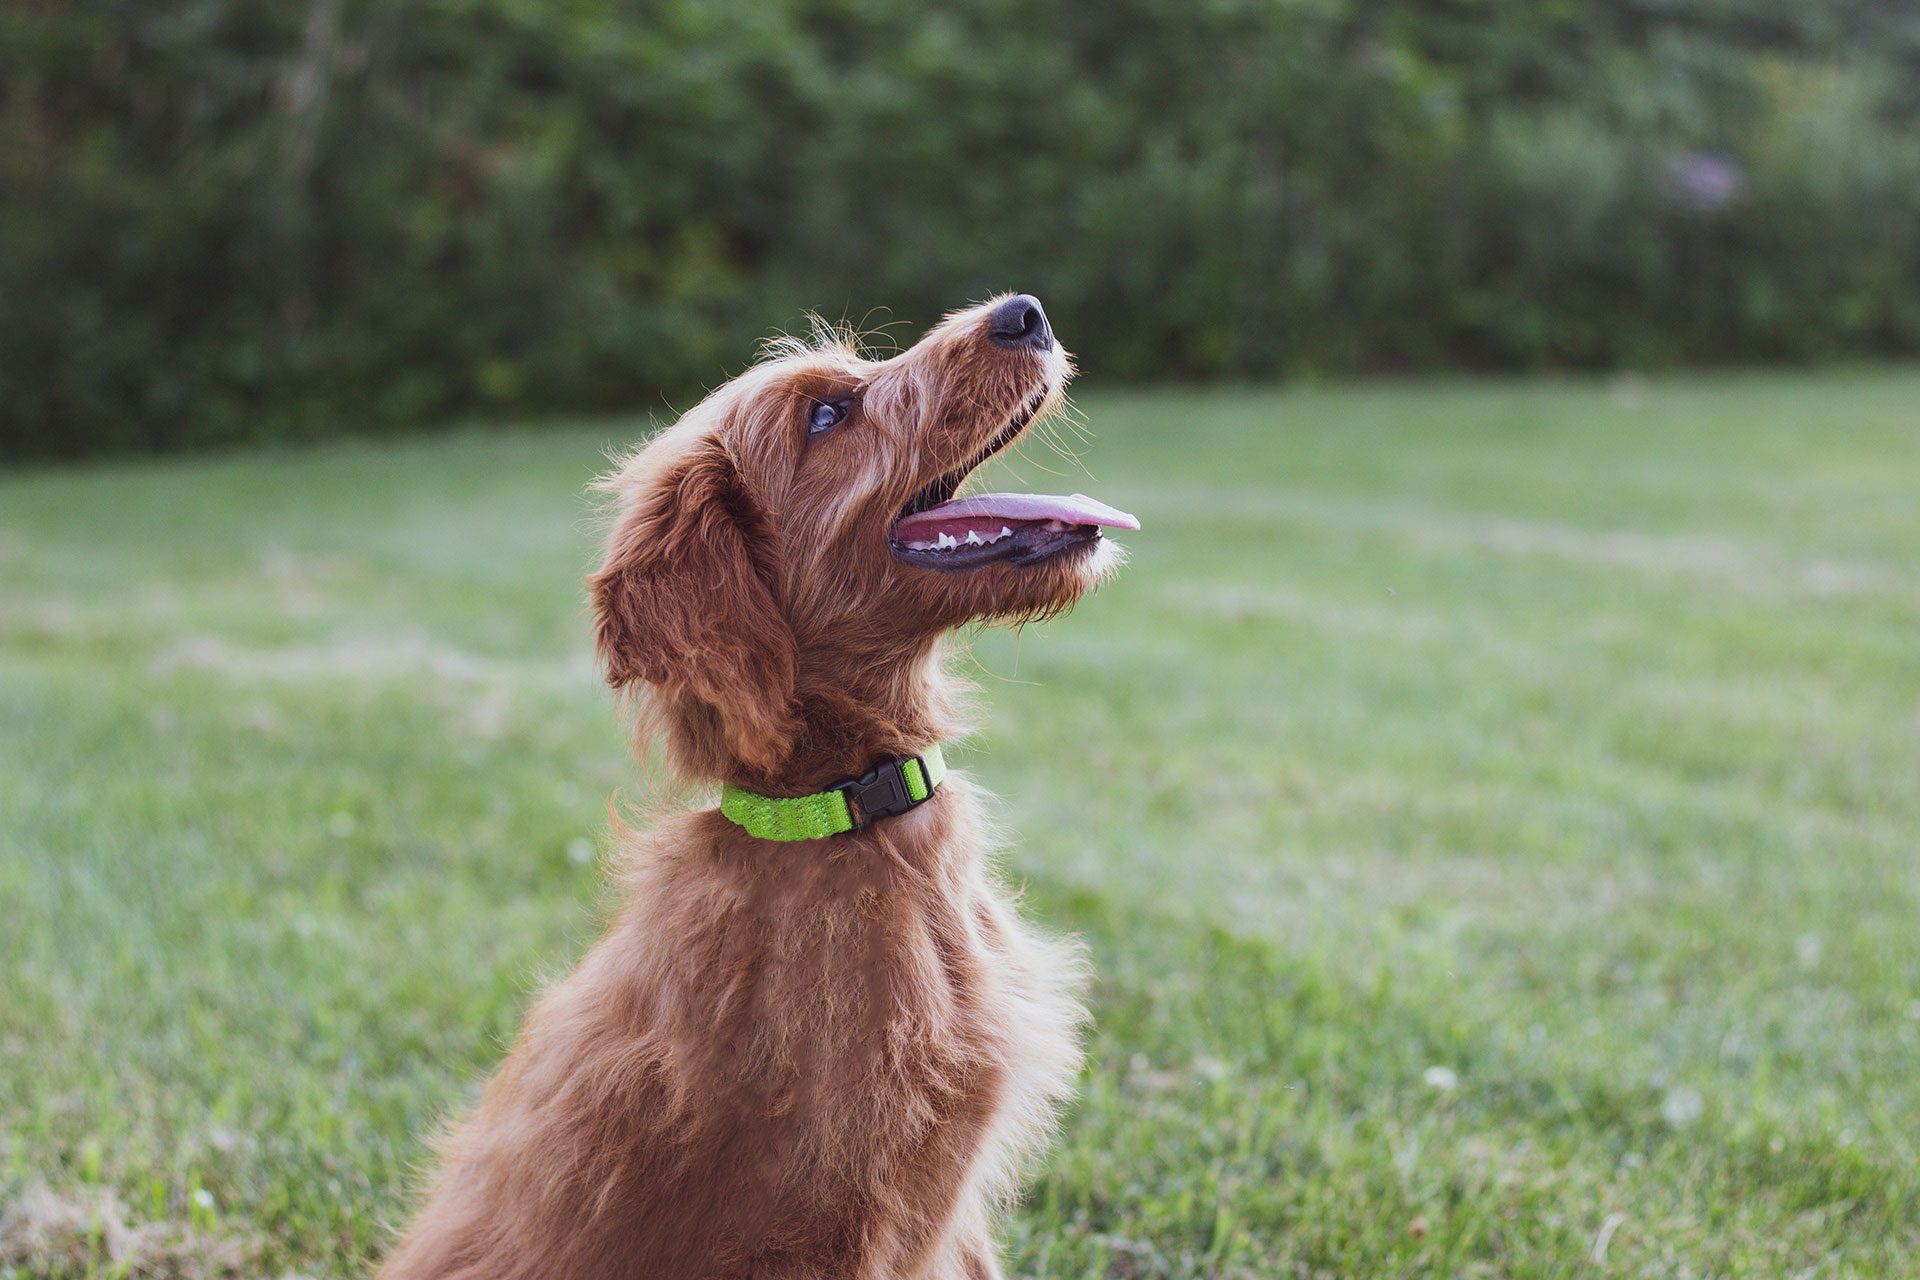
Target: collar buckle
{"x":881,"y":791}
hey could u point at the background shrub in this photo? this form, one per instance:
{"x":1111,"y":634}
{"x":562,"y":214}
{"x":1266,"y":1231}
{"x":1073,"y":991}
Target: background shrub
{"x":224,"y":220}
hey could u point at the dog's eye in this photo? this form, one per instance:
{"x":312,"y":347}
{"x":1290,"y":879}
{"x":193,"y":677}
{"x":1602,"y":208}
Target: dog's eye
{"x":826,"y":414}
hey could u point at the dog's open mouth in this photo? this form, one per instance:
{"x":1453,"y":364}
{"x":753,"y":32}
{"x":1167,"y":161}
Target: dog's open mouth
{"x":935,"y":530}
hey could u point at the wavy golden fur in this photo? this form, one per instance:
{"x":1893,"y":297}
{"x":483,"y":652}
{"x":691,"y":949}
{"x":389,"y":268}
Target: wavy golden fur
{"x":787,"y":1060}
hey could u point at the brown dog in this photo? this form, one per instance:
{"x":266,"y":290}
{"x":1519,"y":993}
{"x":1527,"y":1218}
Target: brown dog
{"x":819,"y":1055}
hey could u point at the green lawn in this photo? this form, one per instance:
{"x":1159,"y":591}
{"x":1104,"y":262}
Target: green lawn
{"x":1494,"y":809}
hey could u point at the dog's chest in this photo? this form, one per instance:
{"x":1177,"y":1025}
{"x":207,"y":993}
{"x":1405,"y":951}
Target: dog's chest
{"x":971,"y":1030}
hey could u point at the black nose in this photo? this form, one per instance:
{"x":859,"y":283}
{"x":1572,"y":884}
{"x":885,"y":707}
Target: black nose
{"x":1019,"y":322}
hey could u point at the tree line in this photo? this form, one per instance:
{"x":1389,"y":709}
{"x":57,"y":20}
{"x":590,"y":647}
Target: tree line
{"x":232,"y":220}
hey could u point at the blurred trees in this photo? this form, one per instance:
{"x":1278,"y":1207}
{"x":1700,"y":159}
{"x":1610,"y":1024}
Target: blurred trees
{"x":237,"y":219}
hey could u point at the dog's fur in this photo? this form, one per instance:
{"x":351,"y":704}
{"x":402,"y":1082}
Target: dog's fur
{"x":784,"y":1060}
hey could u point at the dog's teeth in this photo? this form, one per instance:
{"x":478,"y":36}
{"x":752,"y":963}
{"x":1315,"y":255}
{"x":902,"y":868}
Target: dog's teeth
{"x":949,"y":542}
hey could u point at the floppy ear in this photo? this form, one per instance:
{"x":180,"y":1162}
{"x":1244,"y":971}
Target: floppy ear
{"x":682,"y":602}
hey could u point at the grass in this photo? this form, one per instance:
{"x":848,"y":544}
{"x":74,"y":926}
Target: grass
{"x":1493,"y":807}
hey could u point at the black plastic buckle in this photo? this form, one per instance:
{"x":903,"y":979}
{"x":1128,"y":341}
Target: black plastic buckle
{"x":881,"y":791}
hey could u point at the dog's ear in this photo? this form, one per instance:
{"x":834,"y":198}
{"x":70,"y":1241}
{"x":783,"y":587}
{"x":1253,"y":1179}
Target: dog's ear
{"x":684,"y":602}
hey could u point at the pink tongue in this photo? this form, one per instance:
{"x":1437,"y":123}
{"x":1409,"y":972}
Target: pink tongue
{"x":963,"y":513}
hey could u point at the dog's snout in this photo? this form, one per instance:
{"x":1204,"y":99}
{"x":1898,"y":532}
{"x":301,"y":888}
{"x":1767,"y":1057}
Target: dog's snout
{"x":1020,"y":322}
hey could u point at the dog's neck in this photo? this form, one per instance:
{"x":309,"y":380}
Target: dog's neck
{"x":857,"y":710}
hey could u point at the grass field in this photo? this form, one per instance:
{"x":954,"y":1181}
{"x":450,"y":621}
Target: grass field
{"x":1494,"y":810}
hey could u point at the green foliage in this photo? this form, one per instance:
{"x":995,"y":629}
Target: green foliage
{"x":1491,"y":807}
{"x":240,"y":219}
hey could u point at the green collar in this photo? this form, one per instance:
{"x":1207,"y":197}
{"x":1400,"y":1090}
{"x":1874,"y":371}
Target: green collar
{"x":893,"y":786}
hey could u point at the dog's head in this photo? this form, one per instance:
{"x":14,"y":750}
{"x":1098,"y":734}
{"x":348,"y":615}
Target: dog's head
{"x":791,"y":547}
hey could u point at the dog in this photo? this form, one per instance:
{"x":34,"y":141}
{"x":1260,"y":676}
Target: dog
{"x":816,"y":1040}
